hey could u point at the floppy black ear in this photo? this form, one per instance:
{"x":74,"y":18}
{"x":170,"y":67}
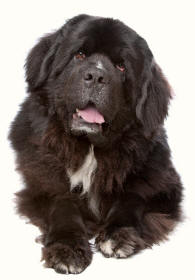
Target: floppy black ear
{"x":152,"y":106}
{"x":39,"y":60}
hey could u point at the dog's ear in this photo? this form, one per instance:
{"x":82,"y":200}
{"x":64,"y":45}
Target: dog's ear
{"x":39,"y":61}
{"x":152,"y":105}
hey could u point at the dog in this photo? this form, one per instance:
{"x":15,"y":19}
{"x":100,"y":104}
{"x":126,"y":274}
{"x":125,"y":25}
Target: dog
{"x":91,"y":145}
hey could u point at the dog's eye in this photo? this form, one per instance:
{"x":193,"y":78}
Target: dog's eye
{"x":80,"y":55}
{"x":121,"y":67}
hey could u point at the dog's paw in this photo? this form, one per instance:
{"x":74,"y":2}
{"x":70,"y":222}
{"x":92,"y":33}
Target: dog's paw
{"x":109,"y":249}
{"x":121,"y":243}
{"x":66,"y":259}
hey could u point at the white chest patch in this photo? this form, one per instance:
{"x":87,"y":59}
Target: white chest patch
{"x":84,"y":175}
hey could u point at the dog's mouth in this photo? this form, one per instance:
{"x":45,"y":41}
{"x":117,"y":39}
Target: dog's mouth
{"x":88,"y":120}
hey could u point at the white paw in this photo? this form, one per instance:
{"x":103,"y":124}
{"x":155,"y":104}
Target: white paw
{"x":125,"y":251}
{"x":108,"y":248}
{"x":67,"y":269}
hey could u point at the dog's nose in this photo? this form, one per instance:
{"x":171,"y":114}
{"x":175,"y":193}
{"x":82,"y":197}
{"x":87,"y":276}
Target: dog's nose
{"x":95,"y":76}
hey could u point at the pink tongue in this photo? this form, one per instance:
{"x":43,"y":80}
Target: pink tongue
{"x":91,"y":115}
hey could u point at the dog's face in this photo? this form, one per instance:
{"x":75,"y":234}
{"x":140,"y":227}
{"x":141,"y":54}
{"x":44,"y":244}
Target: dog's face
{"x":98,"y":77}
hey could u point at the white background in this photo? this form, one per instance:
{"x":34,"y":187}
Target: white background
{"x":168,"y":27}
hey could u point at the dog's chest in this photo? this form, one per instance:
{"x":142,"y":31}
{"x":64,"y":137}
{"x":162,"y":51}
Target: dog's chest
{"x":84,"y":177}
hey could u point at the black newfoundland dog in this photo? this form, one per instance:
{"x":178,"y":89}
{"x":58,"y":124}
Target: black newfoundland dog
{"x":91,"y":145}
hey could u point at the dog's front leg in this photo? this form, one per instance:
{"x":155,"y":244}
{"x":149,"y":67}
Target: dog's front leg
{"x":121,"y":236}
{"x":66,"y":247}
{"x":136,"y":224}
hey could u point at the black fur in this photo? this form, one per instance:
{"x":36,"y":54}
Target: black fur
{"x":135,"y":186}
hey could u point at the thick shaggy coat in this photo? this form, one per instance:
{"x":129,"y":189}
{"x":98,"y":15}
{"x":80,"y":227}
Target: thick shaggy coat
{"x":91,"y":145}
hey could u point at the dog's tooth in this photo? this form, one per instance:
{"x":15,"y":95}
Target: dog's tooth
{"x":77,"y":111}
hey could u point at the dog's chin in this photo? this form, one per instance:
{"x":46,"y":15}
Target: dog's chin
{"x":94,"y":132}
{"x":81,"y":127}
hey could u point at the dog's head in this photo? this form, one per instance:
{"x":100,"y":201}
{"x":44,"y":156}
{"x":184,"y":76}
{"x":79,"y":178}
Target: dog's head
{"x":98,"y":78}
